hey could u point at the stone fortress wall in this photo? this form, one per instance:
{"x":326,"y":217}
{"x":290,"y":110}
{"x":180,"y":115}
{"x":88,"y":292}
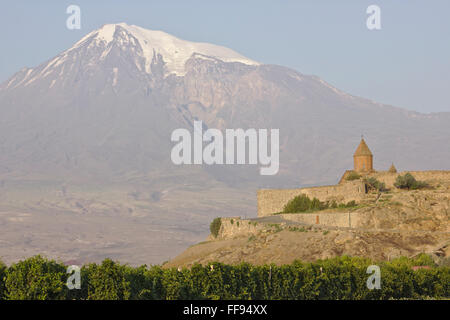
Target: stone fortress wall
{"x":232,"y":227}
{"x":235,"y":227}
{"x":330,"y":219}
{"x":389,"y":178}
{"x":271,"y":201}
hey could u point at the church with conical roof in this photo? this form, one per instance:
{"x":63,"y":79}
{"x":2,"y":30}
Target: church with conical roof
{"x":363,"y":162}
{"x":353,"y":186}
{"x":363,"y":158}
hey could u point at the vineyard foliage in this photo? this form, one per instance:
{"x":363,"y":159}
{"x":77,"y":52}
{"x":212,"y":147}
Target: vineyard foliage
{"x":337,"y":278}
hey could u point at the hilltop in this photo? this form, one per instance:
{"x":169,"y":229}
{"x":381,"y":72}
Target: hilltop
{"x":396,"y":223}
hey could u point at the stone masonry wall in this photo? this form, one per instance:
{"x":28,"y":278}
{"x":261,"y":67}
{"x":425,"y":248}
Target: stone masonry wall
{"x":235,"y":227}
{"x":389,"y":178}
{"x":332,"y":219}
{"x":232,"y":227}
{"x":272,"y":201}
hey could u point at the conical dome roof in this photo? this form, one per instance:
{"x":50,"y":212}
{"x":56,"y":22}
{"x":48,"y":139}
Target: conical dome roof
{"x":393,"y":169}
{"x":363,"y":149}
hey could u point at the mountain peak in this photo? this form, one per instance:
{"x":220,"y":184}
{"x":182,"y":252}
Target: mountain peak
{"x":139,"y":47}
{"x":174,"y":51}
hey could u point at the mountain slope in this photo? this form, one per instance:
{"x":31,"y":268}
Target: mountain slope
{"x":123,"y":89}
{"x":122,"y":83}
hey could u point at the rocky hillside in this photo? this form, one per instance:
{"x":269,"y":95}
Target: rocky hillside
{"x":399,"y":223}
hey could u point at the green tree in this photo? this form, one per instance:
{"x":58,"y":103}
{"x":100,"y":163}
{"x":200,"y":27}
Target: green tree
{"x":140,"y":283}
{"x":155,"y":276}
{"x":373,"y":184}
{"x":302,"y":203}
{"x":214,"y":227}
{"x":107,"y":281}
{"x":408,"y":181}
{"x":36,"y":278}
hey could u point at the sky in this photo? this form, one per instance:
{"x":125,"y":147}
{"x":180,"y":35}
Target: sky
{"x":405,"y":64}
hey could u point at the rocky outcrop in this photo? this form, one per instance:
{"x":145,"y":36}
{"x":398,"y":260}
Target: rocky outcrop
{"x":399,"y":223}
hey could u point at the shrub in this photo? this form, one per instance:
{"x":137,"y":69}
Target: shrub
{"x":303,"y":203}
{"x":351,"y":204}
{"x":276,"y":226}
{"x":374,"y":184}
{"x":214,"y":227}
{"x":353,"y":176}
{"x":408,"y":181}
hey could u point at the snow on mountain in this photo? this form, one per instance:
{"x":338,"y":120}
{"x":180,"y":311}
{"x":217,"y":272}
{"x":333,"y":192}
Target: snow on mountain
{"x":174,"y":51}
{"x":147,"y":47}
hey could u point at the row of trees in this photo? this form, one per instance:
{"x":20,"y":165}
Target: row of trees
{"x":338,"y":278}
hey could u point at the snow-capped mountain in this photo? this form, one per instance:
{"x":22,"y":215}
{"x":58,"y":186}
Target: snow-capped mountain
{"x":107,"y":106}
{"x":144,"y":47}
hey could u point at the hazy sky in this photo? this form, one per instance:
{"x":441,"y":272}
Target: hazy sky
{"x":406,"y":63}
